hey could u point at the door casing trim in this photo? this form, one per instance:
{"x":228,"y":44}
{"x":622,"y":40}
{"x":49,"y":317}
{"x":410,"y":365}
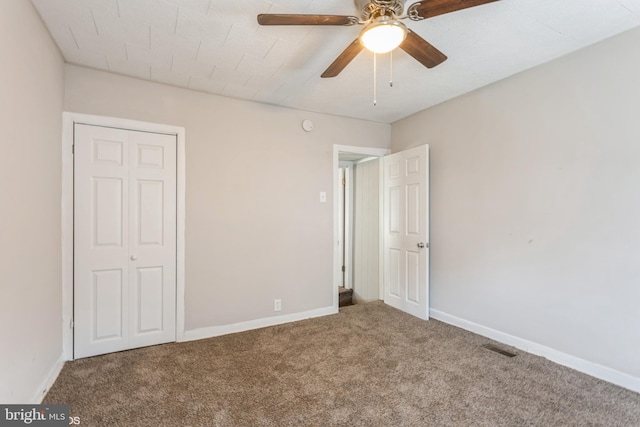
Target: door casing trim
{"x":69,"y":119}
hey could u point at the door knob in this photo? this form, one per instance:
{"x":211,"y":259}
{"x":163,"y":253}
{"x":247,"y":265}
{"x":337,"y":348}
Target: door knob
{"x":421,"y":245}
{"x":133,"y":257}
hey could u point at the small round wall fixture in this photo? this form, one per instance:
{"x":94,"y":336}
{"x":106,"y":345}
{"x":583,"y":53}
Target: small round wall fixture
{"x":307,"y":125}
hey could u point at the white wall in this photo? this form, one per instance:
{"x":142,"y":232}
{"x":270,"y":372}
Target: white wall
{"x":535,"y":204}
{"x":31,"y":88}
{"x":366,"y":231}
{"x":255,"y":228}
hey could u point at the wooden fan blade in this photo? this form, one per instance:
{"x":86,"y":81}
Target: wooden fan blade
{"x":278,"y":19}
{"x":429,"y":8}
{"x":343,"y":60}
{"x":422,"y":50}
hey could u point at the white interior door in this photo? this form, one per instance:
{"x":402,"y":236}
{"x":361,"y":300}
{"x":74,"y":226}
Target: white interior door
{"x":124,"y":239}
{"x":406,"y":231}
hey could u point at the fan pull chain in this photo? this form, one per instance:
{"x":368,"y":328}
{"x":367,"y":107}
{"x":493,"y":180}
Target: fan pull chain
{"x":375,"y":80}
{"x":391,"y":69}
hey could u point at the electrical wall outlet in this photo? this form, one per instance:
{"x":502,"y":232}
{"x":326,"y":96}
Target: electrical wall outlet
{"x":277,"y":305}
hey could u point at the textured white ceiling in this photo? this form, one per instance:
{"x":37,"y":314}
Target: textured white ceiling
{"x":216,"y":46}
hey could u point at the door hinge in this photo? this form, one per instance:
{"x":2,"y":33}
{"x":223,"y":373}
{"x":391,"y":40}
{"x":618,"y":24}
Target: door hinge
{"x":343,"y":269}
{"x":71,"y":324}
{"x":344,"y":182}
{"x":73,"y":149}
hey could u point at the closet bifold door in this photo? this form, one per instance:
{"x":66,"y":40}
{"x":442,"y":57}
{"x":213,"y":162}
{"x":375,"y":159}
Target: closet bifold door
{"x":124,"y":239}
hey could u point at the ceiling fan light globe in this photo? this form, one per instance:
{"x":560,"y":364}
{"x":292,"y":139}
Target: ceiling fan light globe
{"x":383,"y":36}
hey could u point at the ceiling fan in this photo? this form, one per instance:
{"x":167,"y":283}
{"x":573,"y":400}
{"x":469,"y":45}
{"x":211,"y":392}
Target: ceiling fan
{"x":383,"y":30}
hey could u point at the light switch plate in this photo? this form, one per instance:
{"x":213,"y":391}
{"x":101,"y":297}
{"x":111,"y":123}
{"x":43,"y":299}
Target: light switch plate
{"x":323,"y":197}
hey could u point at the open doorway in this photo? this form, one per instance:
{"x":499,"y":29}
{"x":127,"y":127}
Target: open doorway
{"x":357,"y":219}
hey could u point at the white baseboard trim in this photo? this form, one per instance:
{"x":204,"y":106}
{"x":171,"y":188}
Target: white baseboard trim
{"x":590,"y":368}
{"x":48,"y":381}
{"x":216,"y":331}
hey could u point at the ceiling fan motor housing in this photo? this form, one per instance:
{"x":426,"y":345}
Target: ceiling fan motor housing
{"x":373,"y":8}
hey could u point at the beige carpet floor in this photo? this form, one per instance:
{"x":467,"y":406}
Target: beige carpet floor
{"x":369,"y":365}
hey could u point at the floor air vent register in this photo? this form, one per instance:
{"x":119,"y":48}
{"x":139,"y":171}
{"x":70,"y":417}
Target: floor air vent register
{"x":498,"y":350}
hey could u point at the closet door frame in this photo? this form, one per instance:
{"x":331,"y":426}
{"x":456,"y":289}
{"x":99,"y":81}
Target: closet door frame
{"x":69,"y":121}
